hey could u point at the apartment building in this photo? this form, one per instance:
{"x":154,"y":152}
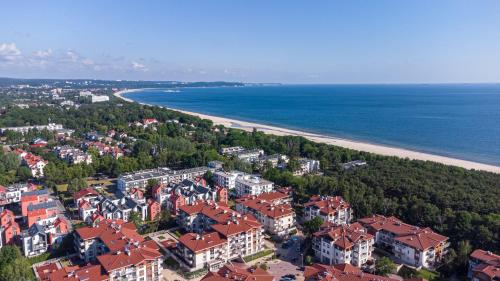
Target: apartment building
{"x":135,"y":262}
{"x":227,"y":179}
{"x":338,"y":244}
{"x":252,"y":185}
{"x":228,"y":235}
{"x":162,"y":175}
{"x":344,"y":272}
{"x":273,"y":210}
{"x":230,"y":272}
{"x":12,"y":194}
{"x":412,"y":245}
{"x":484,"y":266}
{"x":140,"y":262}
{"x":332,"y":209}
{"x":9,"y":228}
{"x":105,"y":237}
{"x":25,"y":129}
{"x":307,"y":166}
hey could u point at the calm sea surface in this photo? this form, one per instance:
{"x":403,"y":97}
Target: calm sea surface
{"x":460,"y":121}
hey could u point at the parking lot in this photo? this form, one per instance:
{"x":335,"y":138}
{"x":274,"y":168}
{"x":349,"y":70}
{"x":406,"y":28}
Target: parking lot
{"x":289,"y":259}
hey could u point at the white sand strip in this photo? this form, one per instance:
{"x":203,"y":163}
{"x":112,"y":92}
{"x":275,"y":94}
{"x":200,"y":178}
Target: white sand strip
{"x":356,"y":145}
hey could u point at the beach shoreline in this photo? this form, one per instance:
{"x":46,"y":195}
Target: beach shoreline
{"x":351,"y":144}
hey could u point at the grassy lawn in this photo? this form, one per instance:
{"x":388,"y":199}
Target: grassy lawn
{"x":407,"y":272}
{"x":427,"y":274}
{"x":62,"y":187}
{"x":258,"y":255}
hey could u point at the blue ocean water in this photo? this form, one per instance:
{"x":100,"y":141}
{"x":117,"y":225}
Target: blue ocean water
{"x":456,"y":120}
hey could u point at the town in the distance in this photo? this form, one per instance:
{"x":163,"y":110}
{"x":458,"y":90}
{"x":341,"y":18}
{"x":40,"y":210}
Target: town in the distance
{"x":122,"y":191}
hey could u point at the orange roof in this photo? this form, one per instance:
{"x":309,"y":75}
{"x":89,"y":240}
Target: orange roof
{"x":327,"y":205}
{"x":485,"y":256}
{"x":232,"y":272}
{"x":268,"y":208}
{"x":344,"y":236}
{"x":115,"y":234}
{"x":219,"y":212}
{"x":422,"y":239}
{"x":45,"y":270}
{"x":269,"y":197}
{"x":147,"y":251}
{"x":341,"y":272}
{"x":237,"y":224}
{"x":198,"y":243}
{"x":76,"y":273}
{"x":85,"y":192}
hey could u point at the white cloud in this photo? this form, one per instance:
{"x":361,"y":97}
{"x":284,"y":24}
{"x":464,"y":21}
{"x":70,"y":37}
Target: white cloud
{"x":139,"y":66}
{"x":43,"y":53}
{"x":9,"y":52}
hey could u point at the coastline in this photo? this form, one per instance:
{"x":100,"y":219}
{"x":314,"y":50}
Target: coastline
{"x":351,"y":144}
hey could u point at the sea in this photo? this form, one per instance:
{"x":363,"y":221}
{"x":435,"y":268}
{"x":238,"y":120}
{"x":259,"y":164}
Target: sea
{"x":455,"y":120}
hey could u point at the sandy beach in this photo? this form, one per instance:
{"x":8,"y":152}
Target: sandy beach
{"x":360,"y":146}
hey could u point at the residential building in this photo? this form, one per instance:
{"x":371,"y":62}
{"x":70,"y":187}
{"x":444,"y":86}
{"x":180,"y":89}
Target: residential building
{"x":332,"y":209}
{"x":307,"y":166}
{"x":9,"y":228}
{"x":25,"y":129}
{"x":97,"y":98}
{"x":174,"y":195}
{"x":105,"y":237}
{"x":231,"y":150}
{"x":42,"y":235}
{"x":136,"y":262}
{"x":120,"y":207}
{"x":89,"y":272}
{"x":32,"y":198}
{"x":162,"y":175}
{"x":216,"y":165}
{"x":236,"y":237}
{"x":344,"y":272}
{"x":13,"y":193}
{"x":412,"y":245}
{"x":35,"y":163}
{"x":338,"y":244}
{"x":154,"y":210}
{"x":88,"y":194}
{"x":484,"y":266}
{"x":276,"y":216}
{"x":252,"y":185}
{"x":230,"y":272}
{"x":227,"y":179}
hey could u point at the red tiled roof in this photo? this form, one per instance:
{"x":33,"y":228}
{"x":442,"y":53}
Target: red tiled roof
{"x":490,"y":270}
{"x":219,"y":212}
{"x":422,"y":239}
{"x":236,"y":225}
{"x":135,"y":255}
{"x":232,"y":273}
{"x":269,"y":197}
{"x":328,"y":205}
{"x":268,"y":208}
{"x":76,"y":273}
{"x":389,"y":224}
{"x":485,"y":256}
{"x":341,"y":272}
{"x":344,"y":236}
{"x":115,"y":234}
{"x":85,"y":192}
{"x":45,"y":270}
{"x":197,"y":243}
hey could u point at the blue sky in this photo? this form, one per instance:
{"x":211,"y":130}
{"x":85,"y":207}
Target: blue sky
{"x":253,"y":41}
